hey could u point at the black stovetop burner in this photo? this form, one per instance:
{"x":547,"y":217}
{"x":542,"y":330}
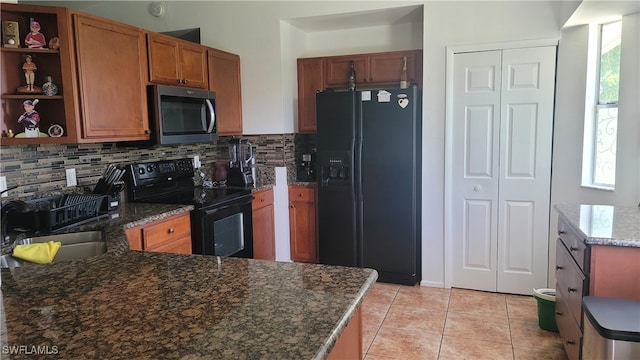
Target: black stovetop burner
{"x":171,"y":182}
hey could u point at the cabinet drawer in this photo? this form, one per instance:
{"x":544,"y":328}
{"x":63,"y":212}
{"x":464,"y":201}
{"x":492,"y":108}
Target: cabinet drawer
{"x":301,"y":193}
{"x":262,"y":198}
{"x":571,"y":282}
{"x":578,"y":249}
{"x":570,"y":333}
{"x":167,"y":230}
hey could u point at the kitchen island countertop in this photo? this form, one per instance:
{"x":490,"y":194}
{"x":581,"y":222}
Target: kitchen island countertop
{"x":129,"y":304}
{"x":603,"y":224}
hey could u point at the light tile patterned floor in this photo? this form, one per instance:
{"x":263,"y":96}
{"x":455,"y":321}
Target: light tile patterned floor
{"x":414,"y":323}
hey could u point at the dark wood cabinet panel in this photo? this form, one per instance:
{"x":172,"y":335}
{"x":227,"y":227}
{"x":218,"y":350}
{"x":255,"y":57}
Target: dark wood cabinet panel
{"x":224,"y":79}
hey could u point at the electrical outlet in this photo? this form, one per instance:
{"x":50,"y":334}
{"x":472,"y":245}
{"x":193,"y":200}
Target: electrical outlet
{"x":196,"y":162}
{"x":3,"y":185}
{"x":71,"y":177}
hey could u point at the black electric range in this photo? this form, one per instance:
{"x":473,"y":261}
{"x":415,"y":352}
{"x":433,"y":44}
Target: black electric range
{"x":171,"y":182}
{"x":221,"y":222}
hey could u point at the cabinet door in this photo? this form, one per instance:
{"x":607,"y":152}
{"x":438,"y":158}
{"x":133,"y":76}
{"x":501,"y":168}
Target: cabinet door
{"x":224,"y":79}
{"x":302,"y":223}
{"x":178,"y":246}
{"x":193,"y":65}
{"x":337,"y":67}
{"x":164,"y":59}
{"x":385,"y":68}
{"x":112,"y":83}
{"x":310,"y":81}
{"x":264,"y":244}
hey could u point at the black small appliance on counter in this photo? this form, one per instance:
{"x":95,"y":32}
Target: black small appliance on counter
{"x":307,"y":168}
{"x":242,"y":163}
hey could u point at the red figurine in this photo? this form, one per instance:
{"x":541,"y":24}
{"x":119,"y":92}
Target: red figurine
{"x":35,"y":39}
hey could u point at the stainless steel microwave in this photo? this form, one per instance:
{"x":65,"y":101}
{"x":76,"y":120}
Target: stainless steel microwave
{"x":180,"y":115}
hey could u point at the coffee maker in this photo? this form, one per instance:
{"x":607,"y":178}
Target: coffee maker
{"x":242,"y":163}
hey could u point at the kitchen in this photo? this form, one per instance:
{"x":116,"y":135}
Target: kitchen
{"x":269,"y":116}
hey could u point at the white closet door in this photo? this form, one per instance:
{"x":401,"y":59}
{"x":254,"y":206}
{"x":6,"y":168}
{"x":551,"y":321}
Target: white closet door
{"x":528,"y":78}
{"x":475,"y":157}
{"x":501,"y":160}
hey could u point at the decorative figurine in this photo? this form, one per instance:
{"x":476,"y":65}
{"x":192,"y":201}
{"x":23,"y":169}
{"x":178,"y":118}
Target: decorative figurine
{"x":35,"y":39}
{"x":54,"y":43}
{"x":49,"y":88}
{"x":30,"y":119}
{"x":29,"y":68}
{"x":10,"y":34}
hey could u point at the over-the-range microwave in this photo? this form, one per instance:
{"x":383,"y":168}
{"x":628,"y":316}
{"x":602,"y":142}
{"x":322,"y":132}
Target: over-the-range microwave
{"x":181,"y":115}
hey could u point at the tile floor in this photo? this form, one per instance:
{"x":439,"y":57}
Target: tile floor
{"x":414,"y":323}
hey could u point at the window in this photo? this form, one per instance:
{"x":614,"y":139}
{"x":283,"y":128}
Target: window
{"x":601,"y":120}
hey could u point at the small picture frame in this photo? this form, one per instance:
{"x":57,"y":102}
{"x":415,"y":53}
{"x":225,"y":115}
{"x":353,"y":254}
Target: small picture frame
{"x":55,"y":130}
{"x":10,"y":34}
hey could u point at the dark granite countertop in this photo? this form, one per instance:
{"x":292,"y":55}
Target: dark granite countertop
{"x":603,"y":224}
{"x":128,"y":304}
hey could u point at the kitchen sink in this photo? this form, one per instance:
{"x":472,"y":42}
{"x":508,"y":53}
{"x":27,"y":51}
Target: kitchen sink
{"x":80,"y":245}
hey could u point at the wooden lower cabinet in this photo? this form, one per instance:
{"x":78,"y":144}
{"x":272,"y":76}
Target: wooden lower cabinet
{"x":595,"y":270}
{"x":303,"y":223}
{"x":170,"y":235}
{"x":349,"y":344}
{"x":264,"y":236}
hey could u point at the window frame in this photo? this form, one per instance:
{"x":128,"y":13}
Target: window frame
{"x":593,"y":108}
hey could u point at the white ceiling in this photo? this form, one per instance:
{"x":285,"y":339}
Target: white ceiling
{"x":362,"y":19}
{"x":601,"y":11}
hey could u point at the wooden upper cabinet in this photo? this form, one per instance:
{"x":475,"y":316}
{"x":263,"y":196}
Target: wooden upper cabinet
{"x":374,"y":69}
{"x":387,"y":67}
{"x":310,"y":80}
{"x":224,"y":79}
{"x":337,"y":68}
{"x":176,"y":62}
{"x":58,"y":63}
{"x":111,"y":62}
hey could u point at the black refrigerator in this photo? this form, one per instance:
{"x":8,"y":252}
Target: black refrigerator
{"x":369,"y":199}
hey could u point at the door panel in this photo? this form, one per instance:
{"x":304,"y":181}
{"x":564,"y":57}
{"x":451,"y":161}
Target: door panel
{"x":475,"y":158}
{"x":501,"y":168}
{"x":525,"y":168}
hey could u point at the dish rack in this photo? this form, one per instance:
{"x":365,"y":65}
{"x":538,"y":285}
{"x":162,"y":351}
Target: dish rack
{"x":61,"y":212}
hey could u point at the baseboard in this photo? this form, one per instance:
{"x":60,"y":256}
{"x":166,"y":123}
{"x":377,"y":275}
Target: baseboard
{"x":435,"y":284}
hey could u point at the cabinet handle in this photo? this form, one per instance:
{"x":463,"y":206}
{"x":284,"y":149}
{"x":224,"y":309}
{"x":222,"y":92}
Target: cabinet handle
{"x":559,"y":313}
{"x":558,"y":267}
{"x":573,"y":248}
{"x":572,"y":289}
{"x":291,"y":206}
{"x":570,"y":342}
{"x":300,"y":195}
{"x":172,"y":230}
{"x":560,"y":232}
{"x":261,"y":200}
{"x":185,"y":81}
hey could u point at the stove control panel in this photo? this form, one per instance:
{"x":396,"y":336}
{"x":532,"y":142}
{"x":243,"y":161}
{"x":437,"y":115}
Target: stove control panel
{"x":149,"y":173}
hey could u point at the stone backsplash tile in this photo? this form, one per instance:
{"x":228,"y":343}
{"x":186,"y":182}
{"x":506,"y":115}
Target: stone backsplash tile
{"x":41,"y":168}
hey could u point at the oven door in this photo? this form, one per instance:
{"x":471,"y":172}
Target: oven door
{"x":224,"y":230}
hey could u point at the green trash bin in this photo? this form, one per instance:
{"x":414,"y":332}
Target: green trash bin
{"x":546,"y":299}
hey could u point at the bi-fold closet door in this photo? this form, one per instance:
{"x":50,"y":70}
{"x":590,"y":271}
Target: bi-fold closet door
{"x":500,"y":153}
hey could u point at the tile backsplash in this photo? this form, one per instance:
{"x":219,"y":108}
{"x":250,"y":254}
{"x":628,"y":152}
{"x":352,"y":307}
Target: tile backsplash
{"x":41,"y":168}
